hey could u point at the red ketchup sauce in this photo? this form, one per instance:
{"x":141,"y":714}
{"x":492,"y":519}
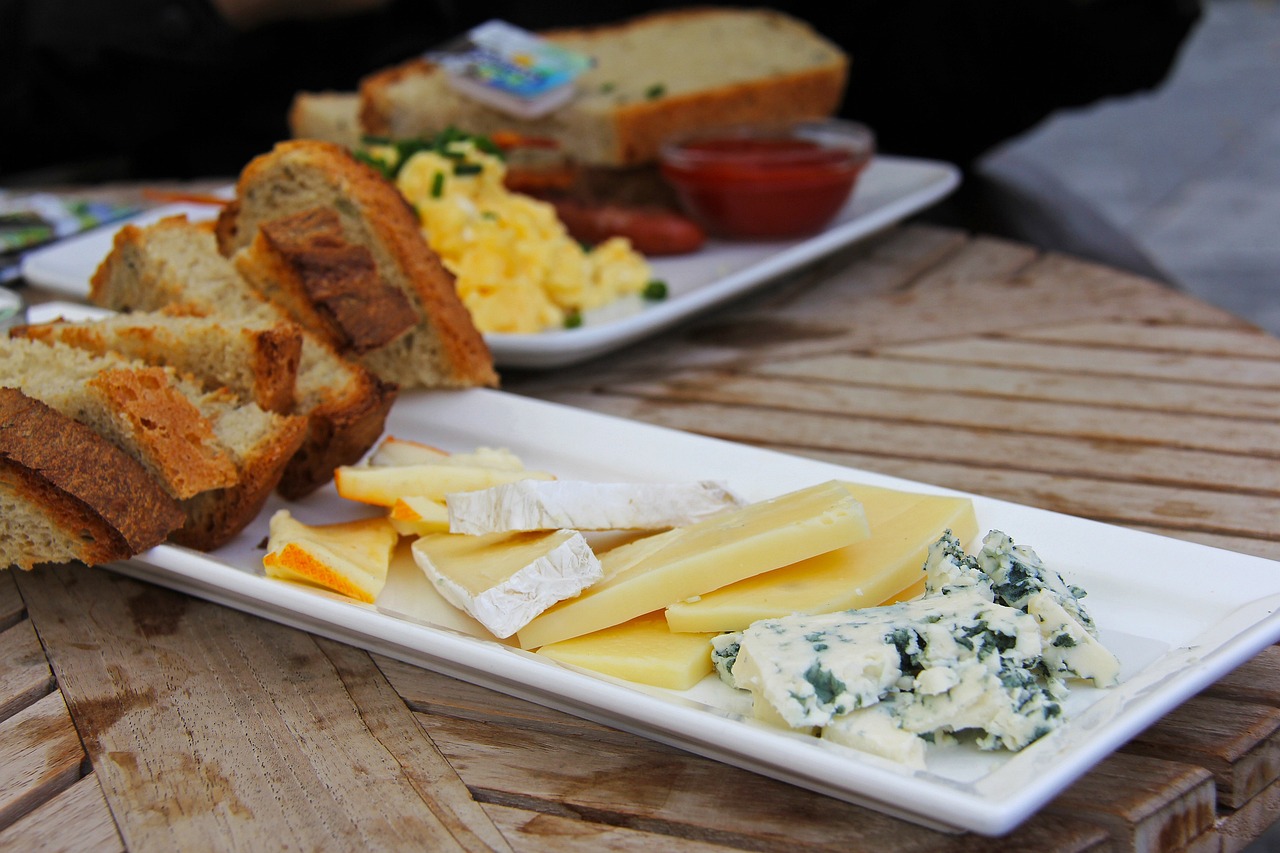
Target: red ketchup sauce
{"x":761,"y":188}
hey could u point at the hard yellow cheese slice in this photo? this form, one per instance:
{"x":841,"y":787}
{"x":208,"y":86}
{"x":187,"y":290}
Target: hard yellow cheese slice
{"x":506,"y":579}
{"x":642,"y":650}
{"x":384,"y":485}
{"x":863,"y":574}
{"x":417,"y":516}
{"x":350,"y":558}
{"x":650,"y":573}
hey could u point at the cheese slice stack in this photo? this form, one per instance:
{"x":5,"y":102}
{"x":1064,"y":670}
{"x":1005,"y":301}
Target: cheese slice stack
{"x":350,"y":558}
{"x":555,"y":504}
{"x":651,"y":573}
{"x":864,"y":574}
{"x":506,"y":579}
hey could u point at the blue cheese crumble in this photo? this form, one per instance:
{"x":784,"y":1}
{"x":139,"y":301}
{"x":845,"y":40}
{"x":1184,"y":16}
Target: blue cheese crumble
{"x":985,"y":651}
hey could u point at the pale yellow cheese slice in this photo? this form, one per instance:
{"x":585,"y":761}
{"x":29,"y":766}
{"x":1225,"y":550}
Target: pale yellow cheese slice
{"x":417,"y":516}
{"x":643,"y":650}
{"x":350,"y":557}
{"x":650,"y":573}
{"x":384,"y":485}
{"x":864,"y":574}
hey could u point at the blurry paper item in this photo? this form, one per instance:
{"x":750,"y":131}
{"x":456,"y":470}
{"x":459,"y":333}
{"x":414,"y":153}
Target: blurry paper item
{"x":511,"y":69}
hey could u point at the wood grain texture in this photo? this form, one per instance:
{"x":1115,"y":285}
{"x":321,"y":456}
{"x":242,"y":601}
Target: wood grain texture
{"x":204,"y":723}
{"x":924,"y":353}
{"x":75,"y":820}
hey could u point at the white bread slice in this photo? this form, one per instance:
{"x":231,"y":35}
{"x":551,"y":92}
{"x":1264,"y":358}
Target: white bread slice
{"x":219,"y":456}
{"x":255,"y":358}
{"x":654,"y":76}
{"x":327,"y":116}
{"x":68,"y":494}
{"x":176,"y":263}
{"x":443,"y":349}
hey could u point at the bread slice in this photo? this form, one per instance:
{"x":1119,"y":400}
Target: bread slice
{"x":176,"y":263}
{"x":654,"y":76}
{"x":443,"y":349}
{"x":68,"y":494}
{"x":327,"y":116}
{"x":303,"y":263}
{"x":256,"y":358}
{"x":218,"y":456}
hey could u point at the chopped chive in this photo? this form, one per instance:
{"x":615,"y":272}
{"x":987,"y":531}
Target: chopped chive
{"x":437,"y":185}
{"x":657,"y":90}
{"x":573,"y":319}
{"x":467,"y":169}
{"x":655,"y":290}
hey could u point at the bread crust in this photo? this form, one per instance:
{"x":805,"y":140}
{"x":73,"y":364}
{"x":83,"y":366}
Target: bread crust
{"x":96,"y":493}
{"x":412,"y":99}
{"x":302,"y":262}
{"x":444,"y":349}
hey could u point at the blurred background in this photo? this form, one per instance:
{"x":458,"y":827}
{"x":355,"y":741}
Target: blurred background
{"x":1191,"y":171}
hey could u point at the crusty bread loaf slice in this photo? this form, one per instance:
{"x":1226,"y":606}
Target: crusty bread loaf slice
{"x":219,"y":456}
{"x":654,"y":76}
{"x":256,"y":358}
{"x":68,"y":494}
{"x":140,"y":409}
{"x":303,"y":263}
{"x":327,"y":116}
{"x":176,"y":263}
{"x":443,"y":349}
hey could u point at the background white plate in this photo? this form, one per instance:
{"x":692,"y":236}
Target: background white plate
{"x":1178,"y":615}
{"x":890,"y":189}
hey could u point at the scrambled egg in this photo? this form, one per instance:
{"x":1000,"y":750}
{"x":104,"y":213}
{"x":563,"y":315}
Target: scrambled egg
{"x":517,"y":268}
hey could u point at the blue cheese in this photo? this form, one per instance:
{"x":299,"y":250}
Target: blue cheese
{"x":980,"y":653}
{"x":1020,"y":579}
{"x":556,"y":504}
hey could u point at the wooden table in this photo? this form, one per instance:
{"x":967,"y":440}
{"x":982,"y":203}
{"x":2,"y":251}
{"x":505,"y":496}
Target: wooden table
{"x":139,"y":718}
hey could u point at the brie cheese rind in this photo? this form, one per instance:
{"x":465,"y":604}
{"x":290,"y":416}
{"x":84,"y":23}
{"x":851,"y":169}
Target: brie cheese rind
{"x":579,"y":505}
{"x":504,"y":580}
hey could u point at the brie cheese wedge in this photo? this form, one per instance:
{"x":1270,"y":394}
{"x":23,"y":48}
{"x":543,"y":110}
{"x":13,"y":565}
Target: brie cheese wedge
{"x":578,"y":505}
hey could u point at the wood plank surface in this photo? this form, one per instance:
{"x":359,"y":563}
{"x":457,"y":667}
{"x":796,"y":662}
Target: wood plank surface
{"x":143,"y":719}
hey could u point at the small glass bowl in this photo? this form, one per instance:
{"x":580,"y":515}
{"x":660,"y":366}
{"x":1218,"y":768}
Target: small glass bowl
{"x":767,"y":181}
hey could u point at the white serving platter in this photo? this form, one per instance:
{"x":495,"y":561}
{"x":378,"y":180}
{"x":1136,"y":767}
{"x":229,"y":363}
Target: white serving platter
{"x":891,"y":189}
{"x":1178,"y":615}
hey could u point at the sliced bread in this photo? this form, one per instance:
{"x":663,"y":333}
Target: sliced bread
{"x":256,"y":358}
{"x":654,"y":76}
{"x":67,"y":494}
{"x":303,"y":263}
{"x":443,"y":349}
{"x":218,"y":456}
{"x":176,"y":263}
{"x":327,"y":116}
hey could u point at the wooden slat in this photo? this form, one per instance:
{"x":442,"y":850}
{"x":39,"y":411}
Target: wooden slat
{"x":24,"y":672}
{"x":75,"y":820}
{"x":1239,"y":828}
{"x":1236,"y":741}
{"x":1145,"y":804}
{"x":1100,"y":361}
{"x":247,"y":729}
{"x":538,"y":832}
{"x":40,"y":756}
{"x":12,"y":610}
{"x":780,"y":398}
{"x":1238,"y":342}
{"x":883,"y":369}
{"x":1257,"y":680}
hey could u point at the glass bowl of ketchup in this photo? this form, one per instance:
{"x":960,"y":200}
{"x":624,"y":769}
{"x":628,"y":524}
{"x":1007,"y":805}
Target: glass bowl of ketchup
{"x":770,"y":181}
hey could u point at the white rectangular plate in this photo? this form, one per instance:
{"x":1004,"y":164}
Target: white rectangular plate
{"x":890,"y":189}
{"x":1178,"y":615}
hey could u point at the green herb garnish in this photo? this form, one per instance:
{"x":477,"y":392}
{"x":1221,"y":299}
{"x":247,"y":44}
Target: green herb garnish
{"x":655,"y":290}
{"x":573,"y":319}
